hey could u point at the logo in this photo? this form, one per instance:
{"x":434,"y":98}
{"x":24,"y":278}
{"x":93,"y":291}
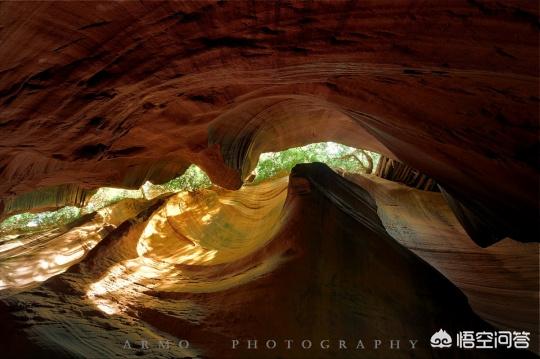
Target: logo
{"x":441,"y":339}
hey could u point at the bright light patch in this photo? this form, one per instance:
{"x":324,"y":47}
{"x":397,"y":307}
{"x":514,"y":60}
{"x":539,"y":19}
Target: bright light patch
{"x":335,"y":155}
{"x":61,"y":259}
{"x":332,"y":148}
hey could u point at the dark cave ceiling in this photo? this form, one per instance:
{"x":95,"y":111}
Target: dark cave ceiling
{"x":115,"y":94}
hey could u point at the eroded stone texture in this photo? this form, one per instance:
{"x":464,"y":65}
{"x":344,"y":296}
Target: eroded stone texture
{"x":28,"y":259}
{"x":225,"y":276}
{"x":115,"y":94}
{"x":501,"y":281}
{"x":99,"y":94}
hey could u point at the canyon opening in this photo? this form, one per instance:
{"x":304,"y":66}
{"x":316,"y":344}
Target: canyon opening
{"x":269,"y":179}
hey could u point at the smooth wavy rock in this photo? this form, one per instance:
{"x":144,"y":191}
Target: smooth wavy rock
{"x":28,"y":259}
{"x":491,"y":278}
{"x":114,"y":94}
{"x":219,"y":265}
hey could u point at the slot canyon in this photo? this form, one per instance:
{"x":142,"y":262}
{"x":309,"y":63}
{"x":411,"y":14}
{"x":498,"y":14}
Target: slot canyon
{"x":269,"y":179}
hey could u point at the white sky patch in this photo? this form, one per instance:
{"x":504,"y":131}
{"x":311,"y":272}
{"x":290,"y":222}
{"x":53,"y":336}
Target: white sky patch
{"x":333,"y":148}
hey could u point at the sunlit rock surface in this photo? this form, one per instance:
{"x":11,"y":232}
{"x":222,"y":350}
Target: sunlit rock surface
{"x":117,"y":93}
{"x":27,"y":259}
{"x":218,"y":265}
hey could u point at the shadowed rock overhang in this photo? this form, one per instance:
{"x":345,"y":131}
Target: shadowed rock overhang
{"x":115,"y":94}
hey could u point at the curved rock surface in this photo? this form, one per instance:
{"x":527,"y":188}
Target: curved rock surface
{"x":96,"y":94}
{"x":103,"y":94}
{"x":333,"y":279}
{"x":491,"y":278}
{"x":33,"y":258}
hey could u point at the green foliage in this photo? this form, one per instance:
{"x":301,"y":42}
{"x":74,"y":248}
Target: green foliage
{"x":270,"y":165}
{"x":193,"y":179}
{"x":335,"y":155}
{"x":31,"y":222}
{"x":105,"y":196}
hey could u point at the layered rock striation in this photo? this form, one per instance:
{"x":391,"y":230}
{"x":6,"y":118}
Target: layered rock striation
{"x":114,"y":94}
{"x":176,"y":274}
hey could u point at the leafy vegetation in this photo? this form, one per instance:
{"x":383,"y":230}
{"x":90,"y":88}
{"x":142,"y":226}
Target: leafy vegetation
{"x":271,"y":165}
{"x":335,"y":155}
{"x":105,"y":196}
{"x":40,"y":221}
{"x":193,"y":179}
